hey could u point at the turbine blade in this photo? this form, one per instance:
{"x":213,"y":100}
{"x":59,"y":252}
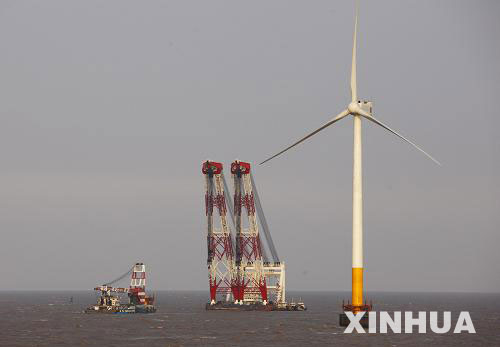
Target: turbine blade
{"x":376,"y":121}
{"x":354,"y":92}
{"x":327,"y":124}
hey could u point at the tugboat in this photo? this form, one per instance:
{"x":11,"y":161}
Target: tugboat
{"x":296,"y":306}
{"x":139,"y":301}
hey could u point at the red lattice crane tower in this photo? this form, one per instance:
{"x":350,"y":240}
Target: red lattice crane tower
{"x":249,"y":282}
{"x":220,"y":259}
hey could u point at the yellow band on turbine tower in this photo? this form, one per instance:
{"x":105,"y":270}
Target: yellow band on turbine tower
{"x":357,"y":286}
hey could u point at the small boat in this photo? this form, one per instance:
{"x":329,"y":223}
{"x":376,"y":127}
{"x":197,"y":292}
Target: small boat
{"x":139,"y":301}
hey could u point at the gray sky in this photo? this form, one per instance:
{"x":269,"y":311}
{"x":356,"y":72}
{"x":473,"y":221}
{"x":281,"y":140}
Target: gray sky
{"x":108,"y":108}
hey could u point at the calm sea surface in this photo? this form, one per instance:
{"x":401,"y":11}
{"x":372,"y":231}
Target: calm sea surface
{"x":48,"y":319}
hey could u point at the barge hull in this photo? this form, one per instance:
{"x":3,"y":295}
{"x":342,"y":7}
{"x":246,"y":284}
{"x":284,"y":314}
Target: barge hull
{"x":229,"y":306}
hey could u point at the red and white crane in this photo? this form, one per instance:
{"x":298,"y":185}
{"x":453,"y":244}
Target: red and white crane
{"x":243,"y":274}
{"x":137,"y":289}
{"x":251,"y":282}
{"x":220,"y":259}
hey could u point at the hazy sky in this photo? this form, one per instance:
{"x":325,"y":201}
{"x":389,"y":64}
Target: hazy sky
{"x":108,"y":108}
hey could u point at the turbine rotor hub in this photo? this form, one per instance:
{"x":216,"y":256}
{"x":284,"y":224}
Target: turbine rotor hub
{"x":354,"y":108}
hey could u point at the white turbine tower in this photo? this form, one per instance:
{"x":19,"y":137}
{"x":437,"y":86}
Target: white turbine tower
{"x":355,"y":109}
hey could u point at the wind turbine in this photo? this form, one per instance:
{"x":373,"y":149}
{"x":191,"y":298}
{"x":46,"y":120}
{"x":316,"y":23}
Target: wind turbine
{"x":355,"y":109}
